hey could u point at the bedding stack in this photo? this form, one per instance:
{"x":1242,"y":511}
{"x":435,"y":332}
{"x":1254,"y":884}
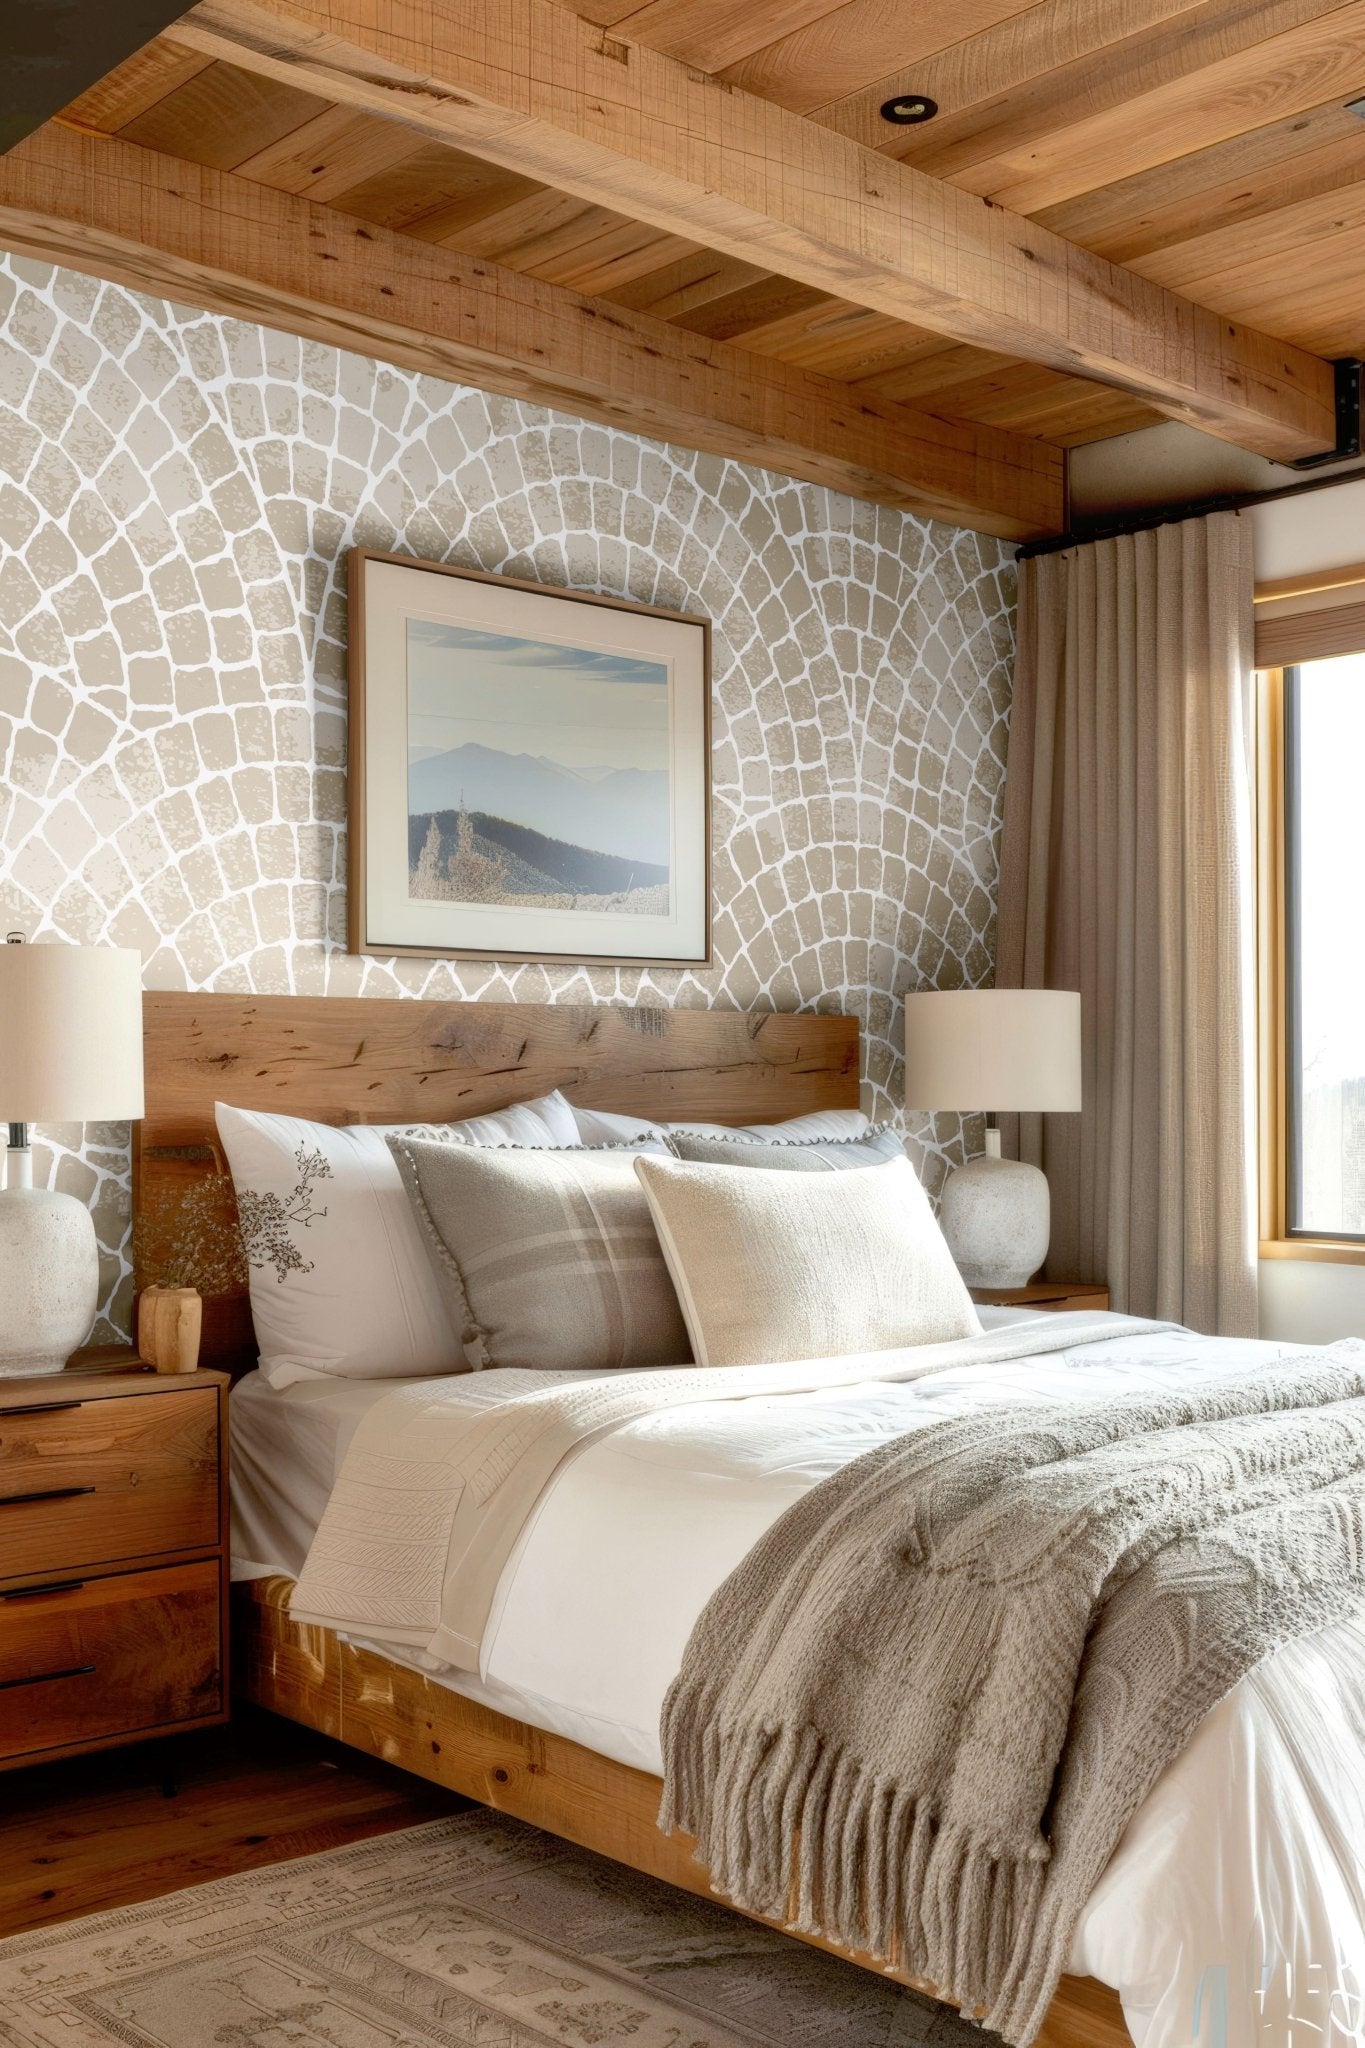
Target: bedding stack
{"x":909,"y":1691}
{"x":526,"y":1238}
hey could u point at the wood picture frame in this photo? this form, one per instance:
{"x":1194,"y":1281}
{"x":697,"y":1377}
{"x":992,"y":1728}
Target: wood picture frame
{"x":438,"y":903}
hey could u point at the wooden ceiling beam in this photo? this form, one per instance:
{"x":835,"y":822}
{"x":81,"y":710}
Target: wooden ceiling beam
{"x":525,"y":84}
{"x":213,"y":239}
{"x":709,"y":33}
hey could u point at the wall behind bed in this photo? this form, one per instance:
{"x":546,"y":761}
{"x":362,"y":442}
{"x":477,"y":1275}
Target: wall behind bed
{"x":177,"y":492}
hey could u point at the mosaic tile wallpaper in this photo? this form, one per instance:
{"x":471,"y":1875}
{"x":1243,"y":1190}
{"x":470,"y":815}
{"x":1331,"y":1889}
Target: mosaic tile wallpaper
{"x":177,"y":492}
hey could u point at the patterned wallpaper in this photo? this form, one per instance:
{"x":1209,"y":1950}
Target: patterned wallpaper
{"x":177,"y":492}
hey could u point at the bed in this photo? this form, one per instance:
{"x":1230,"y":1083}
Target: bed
{"x":558,"y":1726}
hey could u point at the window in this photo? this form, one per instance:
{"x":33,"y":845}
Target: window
{"x":1324,"y":820}
{"x":1312,"y":798}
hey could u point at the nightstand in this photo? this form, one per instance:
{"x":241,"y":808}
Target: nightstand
{"x":113,"y":1557}
{"x":1054,"y":1294}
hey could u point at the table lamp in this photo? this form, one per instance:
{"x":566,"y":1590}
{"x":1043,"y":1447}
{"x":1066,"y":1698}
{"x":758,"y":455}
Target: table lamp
{"x":70,"y":1052}
{"x":992,"y":1050}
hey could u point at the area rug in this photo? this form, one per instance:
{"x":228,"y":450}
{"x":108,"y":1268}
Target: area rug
{"x":471,"y":1932}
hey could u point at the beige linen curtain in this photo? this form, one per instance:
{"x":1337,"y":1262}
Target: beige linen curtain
{"x":1127,"y":872}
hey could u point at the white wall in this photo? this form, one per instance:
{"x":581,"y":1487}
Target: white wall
{"x":1309,"y":1300}
{"x":1315,"y":530}
{"x":1168,"y":465}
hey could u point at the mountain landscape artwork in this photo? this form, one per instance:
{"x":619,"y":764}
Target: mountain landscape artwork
{"x":530,"y":770}
{"x":538,"y":773}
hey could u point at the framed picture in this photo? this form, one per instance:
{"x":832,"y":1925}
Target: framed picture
{"x":530,"y":770}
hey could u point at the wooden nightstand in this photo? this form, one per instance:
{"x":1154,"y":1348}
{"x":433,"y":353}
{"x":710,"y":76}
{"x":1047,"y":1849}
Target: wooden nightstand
{"x":113,"y":1557}
{"x":1055,"y":1294}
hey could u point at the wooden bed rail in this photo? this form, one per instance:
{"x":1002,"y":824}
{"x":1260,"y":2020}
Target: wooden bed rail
{"x":306,"y":1673}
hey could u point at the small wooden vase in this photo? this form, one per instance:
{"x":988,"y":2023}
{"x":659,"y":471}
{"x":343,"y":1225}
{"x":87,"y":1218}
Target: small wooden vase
{"x":169,"y":1320}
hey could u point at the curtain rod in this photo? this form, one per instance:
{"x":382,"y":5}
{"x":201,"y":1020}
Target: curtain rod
{"x":1152,"y":516}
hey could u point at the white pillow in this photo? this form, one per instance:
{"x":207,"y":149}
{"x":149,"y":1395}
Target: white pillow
{"x":777,"y":1266}
{"x":341,"y":1283}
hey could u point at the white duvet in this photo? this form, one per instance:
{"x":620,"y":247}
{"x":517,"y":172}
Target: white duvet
{"x":1233,"y":1912}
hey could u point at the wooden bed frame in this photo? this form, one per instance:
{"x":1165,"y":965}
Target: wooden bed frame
{"x":339,"y":1060}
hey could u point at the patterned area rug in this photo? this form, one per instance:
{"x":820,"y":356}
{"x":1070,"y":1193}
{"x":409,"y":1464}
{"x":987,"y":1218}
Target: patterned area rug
{"x":472,"y":1932}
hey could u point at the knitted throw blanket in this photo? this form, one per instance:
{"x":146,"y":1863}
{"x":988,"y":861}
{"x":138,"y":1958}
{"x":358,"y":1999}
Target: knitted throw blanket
{"x":918,"y":1717}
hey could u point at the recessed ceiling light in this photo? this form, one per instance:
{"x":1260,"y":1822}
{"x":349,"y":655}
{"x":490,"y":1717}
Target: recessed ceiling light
{"x":908,"y":109}
{"x":1356,"y":107}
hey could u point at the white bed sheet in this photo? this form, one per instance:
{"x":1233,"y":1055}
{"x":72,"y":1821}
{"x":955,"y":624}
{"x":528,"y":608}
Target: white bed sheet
{"x":1232,"y":1914}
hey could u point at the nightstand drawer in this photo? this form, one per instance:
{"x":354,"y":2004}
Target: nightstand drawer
{"x":91,"y":1482}
{"x":111,"y":1657}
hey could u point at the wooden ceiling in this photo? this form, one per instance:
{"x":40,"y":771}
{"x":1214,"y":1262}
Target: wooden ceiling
{"x":692,"y":180}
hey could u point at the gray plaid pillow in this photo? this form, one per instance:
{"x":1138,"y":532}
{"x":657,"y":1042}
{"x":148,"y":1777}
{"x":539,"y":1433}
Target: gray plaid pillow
{"x":545,"y":1259}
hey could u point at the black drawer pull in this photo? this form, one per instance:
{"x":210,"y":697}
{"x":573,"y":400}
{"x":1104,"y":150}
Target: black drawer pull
{"x":43,"y":1408}
{"x":47,"y":1677}
{"x":17,"y":1500}
{"x":52,"y":1586}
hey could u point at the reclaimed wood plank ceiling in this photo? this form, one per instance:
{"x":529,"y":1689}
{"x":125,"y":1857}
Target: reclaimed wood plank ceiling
{"x":1206,"y":146}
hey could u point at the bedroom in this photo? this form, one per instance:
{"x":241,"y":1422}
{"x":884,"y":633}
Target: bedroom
{"x":633,"y":601}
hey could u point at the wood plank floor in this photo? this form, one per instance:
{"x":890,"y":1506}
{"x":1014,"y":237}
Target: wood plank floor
{"x":101,"y":1831}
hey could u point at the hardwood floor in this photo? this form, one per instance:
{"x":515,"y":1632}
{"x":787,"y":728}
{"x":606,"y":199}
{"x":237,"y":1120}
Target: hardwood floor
{"x":112,"y":1829}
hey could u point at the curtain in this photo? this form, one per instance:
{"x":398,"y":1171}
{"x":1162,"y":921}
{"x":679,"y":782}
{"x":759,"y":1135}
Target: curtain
{"x":1127,"y":872}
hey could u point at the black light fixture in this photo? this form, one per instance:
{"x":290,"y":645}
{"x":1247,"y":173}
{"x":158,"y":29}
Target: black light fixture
{"x":908,"y":109}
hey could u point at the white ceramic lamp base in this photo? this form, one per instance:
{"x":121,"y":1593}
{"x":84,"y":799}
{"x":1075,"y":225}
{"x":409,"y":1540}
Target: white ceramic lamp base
{"x":997,"y":1217}
{"x":49,"y":1280}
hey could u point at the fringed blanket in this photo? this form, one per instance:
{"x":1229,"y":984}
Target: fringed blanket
{"x":918,"y":1717}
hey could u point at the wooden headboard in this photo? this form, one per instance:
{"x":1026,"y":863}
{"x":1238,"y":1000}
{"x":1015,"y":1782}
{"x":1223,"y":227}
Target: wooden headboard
{"x":361,"y":1060}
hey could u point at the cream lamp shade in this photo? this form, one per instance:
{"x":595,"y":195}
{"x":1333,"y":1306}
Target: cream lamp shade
{"x":70,"y":1034}
{"x":70,"y":1052}
{"x":993,"y":1049}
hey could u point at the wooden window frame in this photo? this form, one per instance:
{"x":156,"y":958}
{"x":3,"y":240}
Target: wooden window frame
{"x":1274,"y":986}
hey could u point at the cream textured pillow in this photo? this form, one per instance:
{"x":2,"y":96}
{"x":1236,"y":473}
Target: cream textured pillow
{"x":545,"y":1259}
{"x":341,"y":1285}
{"x":777,"y":1266}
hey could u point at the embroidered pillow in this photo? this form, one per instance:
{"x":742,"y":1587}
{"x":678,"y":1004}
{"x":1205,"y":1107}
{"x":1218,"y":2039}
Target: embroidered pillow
{"x":790,"y":1155}
{"x":778,"y":1266}
{"x":545,"y":1259}
{"x":340,"y":1279}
